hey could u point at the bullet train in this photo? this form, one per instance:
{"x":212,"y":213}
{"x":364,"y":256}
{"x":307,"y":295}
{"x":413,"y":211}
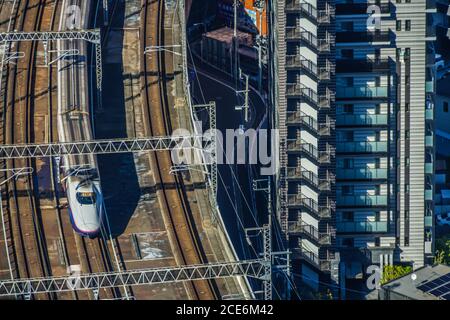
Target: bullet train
{"x":85,"y":202}
{"x":81,"y":177}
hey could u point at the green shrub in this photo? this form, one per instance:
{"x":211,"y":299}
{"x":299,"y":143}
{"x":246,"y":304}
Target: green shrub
{"x":394,"y":272}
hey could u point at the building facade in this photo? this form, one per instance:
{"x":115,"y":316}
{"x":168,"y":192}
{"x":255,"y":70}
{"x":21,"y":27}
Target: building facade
{"x":353,"y":90}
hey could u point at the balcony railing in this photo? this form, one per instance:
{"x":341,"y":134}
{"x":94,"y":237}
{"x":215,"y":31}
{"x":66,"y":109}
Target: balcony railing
{"x":361,"y":119}
{"x":326,"y":99}
{"x":362,"y":92}
{"x":298,"y":200}
{"x":364,"y":146}
{"x":429,"y":168}
{"x":302,"y":146}
{"x":296,"y":89}
{"x":428,"y":221}
{"x":321,"y":16}
{"x":298,"y":117}
{"x":298,"y":33}
{"x":362,"y":65}
{"x":298,"y":227}
{"x":361,"y":174}
{"x":311,"y":257}
{"x":361,"y":201}
{"x":293,"y":173}
{"x":298,"y":61}
{"x":429,"y":141}
{"x":362,"y":36}
{"x":429,"y":114}
{"x":362,"y":227}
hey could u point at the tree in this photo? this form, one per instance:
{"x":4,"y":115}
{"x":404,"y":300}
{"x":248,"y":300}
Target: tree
{"x":442,"y":250}
{"x":394,"y":272}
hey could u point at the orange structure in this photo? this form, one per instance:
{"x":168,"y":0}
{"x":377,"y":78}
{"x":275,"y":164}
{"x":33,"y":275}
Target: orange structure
{"x":261,"y":18}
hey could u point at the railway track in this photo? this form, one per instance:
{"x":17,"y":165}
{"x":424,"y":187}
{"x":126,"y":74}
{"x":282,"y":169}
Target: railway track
{"x":172,"y":195}
{"x":30,"y":245}
{"x":28,"y":94}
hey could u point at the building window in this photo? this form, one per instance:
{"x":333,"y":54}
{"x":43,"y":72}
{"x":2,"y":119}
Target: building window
{"x":348,"y":108}
{"x":347,"y":190}
{"x":348,"y":242}
{"x":407,"y":161}
{"x":347,"y":216}
{"x":445,"y":106}
{"x":406,"y":80}
{"x":377,"y":216}
{"x":406,"y":134}
{"x":398,"y":25}
{"x":398,"y":52}
{"x":347,"y":53}
{"x":406,"y":188}
{"x":408,"y":25}
{"x":348,"y":163}
{"x":406,"y":106}
{"x":377,"y":81}
{"x":407,"y":53}
{"x":348,"y":135}
{"x":347,"y":26}
{"x":349,"y":81}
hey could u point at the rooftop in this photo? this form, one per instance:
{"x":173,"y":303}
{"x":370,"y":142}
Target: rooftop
{"x":430,"y":283}
{"x":225,"y":34}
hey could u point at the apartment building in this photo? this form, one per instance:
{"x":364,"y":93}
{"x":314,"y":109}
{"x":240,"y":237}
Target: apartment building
{"x":352,"y":87}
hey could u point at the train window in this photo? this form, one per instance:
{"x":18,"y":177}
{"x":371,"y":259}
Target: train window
{"x":86,"y":197}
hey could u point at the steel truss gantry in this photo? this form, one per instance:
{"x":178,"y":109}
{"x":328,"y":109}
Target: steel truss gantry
{"x":94,"y":281}
{"x":100,"y":146}
{"x":91,"y":35}
{"x":211,"y":109}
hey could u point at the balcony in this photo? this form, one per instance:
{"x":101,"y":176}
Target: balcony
{"x":296,"y":90}
{"x":302,"y":146}
{"x":361,"y":201}
{"x":362,"y":92}
{"x":298,"y":227}
{"x":298,"y":33}
{"x":429,"y":114}
{"x":298,"y":61}
{"x":360,"y":8}
{"x":362,"y":65}
{"x":301,"y":118}
{"x":429,"y":86}
{"x":428,"y":221}
{"x":312,"y":258}
{"x":363,"y":36}
{"x":361,"y":174}
{"x":299,"y":201}
{"x":429,"y":194}
{"x":307,"y":9}
{"x":361,"y":119}
{"x":296,"y":173}
{"x":361,"y":147}
{"x":429,"y":141}
{"x":429,"y":168}
{"x":362,"y":227}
